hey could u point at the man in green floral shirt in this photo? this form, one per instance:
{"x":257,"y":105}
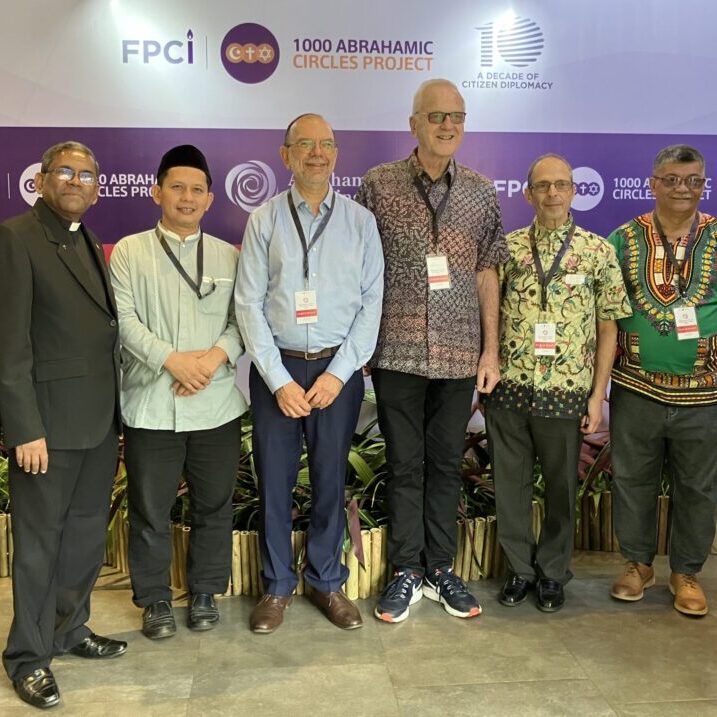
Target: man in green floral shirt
{"x":561,"y":292}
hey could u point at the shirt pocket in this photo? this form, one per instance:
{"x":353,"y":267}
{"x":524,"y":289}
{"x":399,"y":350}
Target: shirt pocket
{"x":217,"y":295}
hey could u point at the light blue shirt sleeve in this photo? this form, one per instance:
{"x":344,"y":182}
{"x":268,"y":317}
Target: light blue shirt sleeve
{"x":250,"y":293}
{"x":359,"y":344}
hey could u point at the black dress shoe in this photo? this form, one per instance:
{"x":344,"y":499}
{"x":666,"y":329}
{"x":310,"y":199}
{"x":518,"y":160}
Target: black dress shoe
{"x":97,"y":647}
{"x":514,"y":590}
{"x":203,"y":612}
{"x":38,"y":689}
{"x":551,"y":596}
{"x":158,"y":620}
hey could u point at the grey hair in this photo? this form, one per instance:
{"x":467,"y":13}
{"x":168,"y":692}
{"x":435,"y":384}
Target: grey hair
{"x":418,"y":97}
{"x":681,"y":153}
{"x":70,"y":146}
{"x":549,"y":155}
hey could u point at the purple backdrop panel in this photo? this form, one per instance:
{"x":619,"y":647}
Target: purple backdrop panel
{"x":611,"y":171}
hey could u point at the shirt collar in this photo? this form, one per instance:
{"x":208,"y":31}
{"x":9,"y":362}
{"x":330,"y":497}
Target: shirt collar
{"x":175,"y":237}
{"x":417,"y":167}
{"x":299,"y":201}
{"x":560,"y":232}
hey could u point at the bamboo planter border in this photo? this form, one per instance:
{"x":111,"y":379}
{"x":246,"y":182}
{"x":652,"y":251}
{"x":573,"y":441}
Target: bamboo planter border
{"x":478,"y":554}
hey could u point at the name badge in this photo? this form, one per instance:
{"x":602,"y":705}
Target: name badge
{"x":686,"y":323}
{"x":306,"y":310}
{"x":438,"y":276}
{"x":574,"y":279}
{"x":544,"y":343}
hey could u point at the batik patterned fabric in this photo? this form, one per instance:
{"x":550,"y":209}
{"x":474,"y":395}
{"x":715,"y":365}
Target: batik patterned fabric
{"x":587,"y":287}
{"x":435,"y":334}
{"x":651,"y":361}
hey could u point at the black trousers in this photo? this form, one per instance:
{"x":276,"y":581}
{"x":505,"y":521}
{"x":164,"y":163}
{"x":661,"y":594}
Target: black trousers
{"x":424,"y":422}
{"x":516,"y":439}
{"x":59,"y":529}
{"x":644,"y":434}
{"x":156,"y":461}
{"x":278,"y":443}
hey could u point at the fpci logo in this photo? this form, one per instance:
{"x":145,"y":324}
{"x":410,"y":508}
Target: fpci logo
{"x":175,"y":51}
{"x":519,"y":41}
{"x":589,"y":188}
{"x":27,"y":183}
{"x":250,"y":53}
{"x":250,"y":184}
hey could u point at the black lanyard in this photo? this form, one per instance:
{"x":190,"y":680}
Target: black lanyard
{"x":196,"y":287}
{"x":542,"y":276}
{"x":437,"y":212}
{"x":670,"y":254}
{"x":300,"y":230}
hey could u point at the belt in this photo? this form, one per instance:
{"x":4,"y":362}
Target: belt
{"x":307,"y":356}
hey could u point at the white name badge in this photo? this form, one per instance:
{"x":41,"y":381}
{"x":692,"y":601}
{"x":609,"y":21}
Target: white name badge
{"x":438,"y":276}
{"x":306,"y":310}
{"x":544,"y":339}
{"x":574,"y":279}
{"x":686,"y":323}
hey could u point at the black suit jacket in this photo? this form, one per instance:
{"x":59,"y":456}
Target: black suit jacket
{"x":59,"y":343}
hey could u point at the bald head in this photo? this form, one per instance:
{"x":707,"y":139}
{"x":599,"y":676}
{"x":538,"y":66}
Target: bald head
{"x":427,"y":89}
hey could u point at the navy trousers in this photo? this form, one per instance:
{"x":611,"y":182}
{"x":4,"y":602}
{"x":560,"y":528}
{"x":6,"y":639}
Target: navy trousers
{"x":277,"y":445}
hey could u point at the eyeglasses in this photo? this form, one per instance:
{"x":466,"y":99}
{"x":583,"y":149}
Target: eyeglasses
{"x":440,"y":117}
{"x":562,"y":185}
{"x":694,"y":181}
{"x":308,"y":145}
{"x":65,"y":174}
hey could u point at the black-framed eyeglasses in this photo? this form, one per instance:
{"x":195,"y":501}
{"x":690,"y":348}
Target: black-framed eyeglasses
{"x":440,"y":117}
{"x":67,"y":174}
{"x":562,"y":185}
{"x":308,"y":145}
{"x":694,"y":181}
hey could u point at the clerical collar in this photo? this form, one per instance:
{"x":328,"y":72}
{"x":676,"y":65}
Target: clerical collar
{"x":74,"y":226}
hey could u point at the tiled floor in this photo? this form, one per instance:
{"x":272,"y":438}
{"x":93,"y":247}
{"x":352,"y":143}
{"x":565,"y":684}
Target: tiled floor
{"x":595,"y":657}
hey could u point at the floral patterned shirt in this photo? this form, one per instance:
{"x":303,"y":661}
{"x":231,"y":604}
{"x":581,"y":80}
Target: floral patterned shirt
{"x":435,"y":334}
{"x":587,"y":287}
{"x":651,"y":361}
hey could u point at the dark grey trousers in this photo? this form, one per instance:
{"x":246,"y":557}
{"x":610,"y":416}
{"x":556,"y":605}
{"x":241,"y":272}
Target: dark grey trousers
{"x":516,"y":439}
{"x":643,"y":435}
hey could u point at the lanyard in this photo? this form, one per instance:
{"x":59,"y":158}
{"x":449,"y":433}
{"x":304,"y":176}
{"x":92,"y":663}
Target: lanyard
{"x":542,"y":276}
{"x":670,"y":254}
{"x":195,"y":287}
{"x":300,"y":231}
{"x":436,"y":212}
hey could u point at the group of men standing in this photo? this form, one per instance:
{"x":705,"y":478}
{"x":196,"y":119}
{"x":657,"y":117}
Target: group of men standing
{"x":414,"y":282}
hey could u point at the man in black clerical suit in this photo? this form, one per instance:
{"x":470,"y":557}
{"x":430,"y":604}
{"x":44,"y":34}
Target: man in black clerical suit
{"x":59,"y":380}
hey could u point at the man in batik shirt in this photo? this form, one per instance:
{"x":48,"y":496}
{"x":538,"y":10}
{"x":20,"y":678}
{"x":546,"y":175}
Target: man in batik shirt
{"x":561,"y":293}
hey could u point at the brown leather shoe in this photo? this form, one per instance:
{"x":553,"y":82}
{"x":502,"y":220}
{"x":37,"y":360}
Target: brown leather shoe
{"x":689,"y":597}
{"x":635,"y":578}
{"x":338,"y":608}
{"x":269,"y":613}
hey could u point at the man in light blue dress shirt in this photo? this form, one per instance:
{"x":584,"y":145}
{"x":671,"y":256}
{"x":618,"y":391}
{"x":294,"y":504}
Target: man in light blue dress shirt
{"x":308,"y":304}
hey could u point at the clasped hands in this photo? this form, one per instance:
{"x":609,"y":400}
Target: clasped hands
{"x":294,"y":402}
{"x":193,"y":370}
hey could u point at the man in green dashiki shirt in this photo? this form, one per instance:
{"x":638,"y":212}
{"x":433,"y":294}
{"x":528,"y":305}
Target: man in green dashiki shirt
{"x":664,"y":398}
